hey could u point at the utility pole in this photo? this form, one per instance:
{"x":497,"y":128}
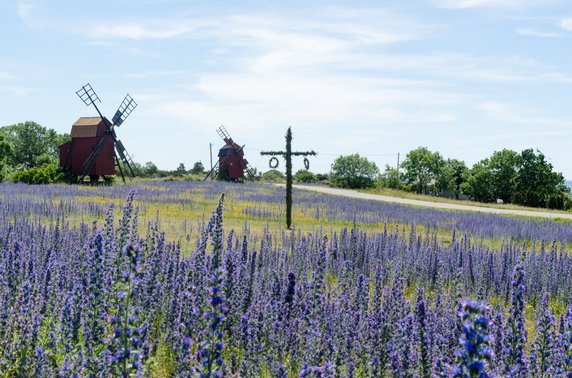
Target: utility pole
{"x":287,"y":155}
{"x":211,"y":149}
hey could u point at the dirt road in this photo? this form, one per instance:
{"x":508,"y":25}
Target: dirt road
{"x":436,"y":205}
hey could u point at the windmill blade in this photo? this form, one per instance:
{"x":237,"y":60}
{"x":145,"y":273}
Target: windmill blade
{"x":120,"y":149}
{"x":249,"y":171}
{"x":124,"y":156}
{"x":89,"y":97}
{"x":124,"y":110}
{"x":224,"y":135}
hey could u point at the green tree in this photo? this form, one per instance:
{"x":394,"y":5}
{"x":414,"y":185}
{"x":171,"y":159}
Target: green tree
{"x":536,"y":184}
{"x":444,"y":181}
{"x":5,"y":154}
{"x":303,"y":175}
{"x":33,"y":145}
{"x":452,"y":176}
{"x":390,"y":179}
{"x":422,"y":168}
{"x":198,"y":168}
{"x":353,"y":171}
{"x":504,"y":166}
{"x":478,"y":182}
{"x":149,"y":169}
{"x":494,"y":178}
{"x":525,"y":178}
{"x":181,"y":170}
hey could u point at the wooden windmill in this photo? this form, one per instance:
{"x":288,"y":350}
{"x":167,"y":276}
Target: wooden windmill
{"x":94,"y":149}
{"x":231,"y":162}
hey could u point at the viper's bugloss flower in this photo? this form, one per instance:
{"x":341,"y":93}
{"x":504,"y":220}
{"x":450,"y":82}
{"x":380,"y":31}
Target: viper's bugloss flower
{"x":475,"y":341}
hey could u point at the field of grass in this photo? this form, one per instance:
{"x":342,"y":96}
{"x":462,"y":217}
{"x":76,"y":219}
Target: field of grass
{"x":148,"y":278}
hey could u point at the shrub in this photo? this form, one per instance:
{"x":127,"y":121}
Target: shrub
{"x":304,"y":175}
{"x":44,"y":174}
{"x":273,"y":175}
{"x":353,"y":171}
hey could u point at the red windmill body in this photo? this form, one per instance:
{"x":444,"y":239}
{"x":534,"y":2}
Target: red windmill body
{"x":231,"y":162}
{"x":86,"y":133}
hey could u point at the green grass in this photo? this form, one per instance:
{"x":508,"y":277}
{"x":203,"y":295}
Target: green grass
{"x":183,"y":221}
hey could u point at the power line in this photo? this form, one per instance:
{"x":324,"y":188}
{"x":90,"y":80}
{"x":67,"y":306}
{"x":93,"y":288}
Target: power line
{"x":329,"y":154}
{"x":360,"y":155}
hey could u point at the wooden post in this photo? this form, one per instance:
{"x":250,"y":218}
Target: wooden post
{"x":288,"y":157}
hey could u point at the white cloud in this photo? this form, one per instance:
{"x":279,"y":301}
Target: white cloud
{"x":253,"y":102}
{"x":141,"y":53}
{"x":515,"y":114}
{"x":307,"y":44}
{"x":179,"y":74}
{"x":451,"y":66}
{"x":305,"y":72}
{"x":531,"y":32}
{"x":534,"y":134}
{"x":24,"y":10}
{"x":33,"y":13}
{"x":257,"y":29}
{"x":442,"y":117}
{"x":331,"y":77}
{"x":140,"y":31}
{"x":462,"y":4}
{"x":566,"y":24}
{"x":328,"y":47}
{"x":18,"y":91}
{"x":4,"y":76}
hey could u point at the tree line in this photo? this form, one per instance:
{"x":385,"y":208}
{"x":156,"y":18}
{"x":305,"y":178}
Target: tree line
{"x":507,"y":176}
{"x":29,"y":153}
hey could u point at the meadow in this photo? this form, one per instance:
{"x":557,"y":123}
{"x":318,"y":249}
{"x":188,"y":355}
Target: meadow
{"x":168,"y":279}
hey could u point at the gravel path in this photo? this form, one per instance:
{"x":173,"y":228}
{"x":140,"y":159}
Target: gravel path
{"x":436,"y":205}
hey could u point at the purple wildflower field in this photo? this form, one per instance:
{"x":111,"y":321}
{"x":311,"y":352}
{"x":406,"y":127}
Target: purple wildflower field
{"x":102,"y":295}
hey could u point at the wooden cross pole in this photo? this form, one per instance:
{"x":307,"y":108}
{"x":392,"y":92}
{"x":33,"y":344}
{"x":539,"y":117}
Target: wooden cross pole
{"x":287,"y":155}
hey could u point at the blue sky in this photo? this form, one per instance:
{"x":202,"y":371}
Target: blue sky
{"x":462,"y":77}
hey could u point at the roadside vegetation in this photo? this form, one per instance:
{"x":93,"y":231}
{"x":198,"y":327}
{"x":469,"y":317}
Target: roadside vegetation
{"x":507,"y":177}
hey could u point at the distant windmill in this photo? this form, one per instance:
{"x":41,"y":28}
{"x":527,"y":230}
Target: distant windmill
{"x":94,"y":149}
{"x":231,"y":162}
